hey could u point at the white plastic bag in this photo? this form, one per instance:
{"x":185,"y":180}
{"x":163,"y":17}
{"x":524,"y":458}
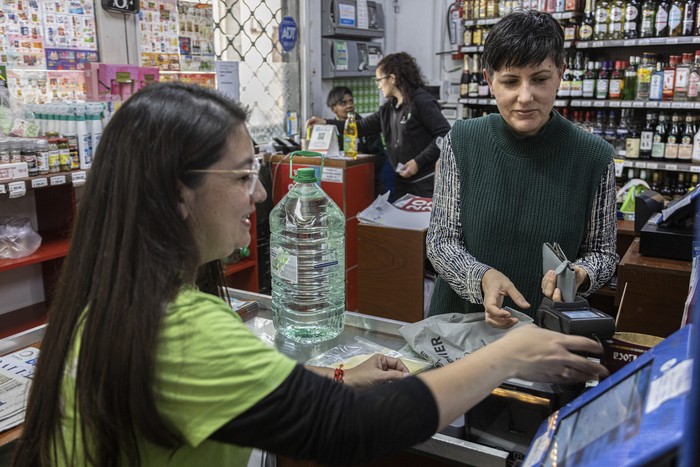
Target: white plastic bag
{"x":17,"y":238}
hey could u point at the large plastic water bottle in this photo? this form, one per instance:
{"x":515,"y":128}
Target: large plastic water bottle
{"x":307,"y":262}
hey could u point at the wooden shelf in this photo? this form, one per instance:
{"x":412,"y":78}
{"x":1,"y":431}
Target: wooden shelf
{"x":17,"y":321}
{"x":242,"y":265}
{"x":50,"y":249}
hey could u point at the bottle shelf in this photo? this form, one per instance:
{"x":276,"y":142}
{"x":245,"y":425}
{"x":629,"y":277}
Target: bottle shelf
{"x":671,"y":105}
{"x":641,"y":42}
{"x":491,"y":21}
{"x":480,"y":48}
{"x":18,"y":187}
{"x":489,"y":101}
{"x":657,"y":165}
{"x":51,"y":249}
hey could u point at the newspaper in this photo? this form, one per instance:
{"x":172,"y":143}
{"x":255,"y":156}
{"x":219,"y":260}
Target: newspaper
{"x":16,"y":373}
{"x":409,"y":212}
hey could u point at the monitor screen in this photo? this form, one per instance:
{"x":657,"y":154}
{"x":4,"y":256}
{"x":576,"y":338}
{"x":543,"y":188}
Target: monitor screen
{"x":614,"y":416}
{"x":580,"y":314}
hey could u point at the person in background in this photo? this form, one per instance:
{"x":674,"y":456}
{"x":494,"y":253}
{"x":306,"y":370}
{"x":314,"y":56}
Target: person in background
{"x":341,"y":103}
{"x":512,"y":180}
{"x":410,"y":121}
{"x":145,"y":363}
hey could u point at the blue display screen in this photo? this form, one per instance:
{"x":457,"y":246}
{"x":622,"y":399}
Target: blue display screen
{"x":585,"y":435}
{"x":580,"y":314}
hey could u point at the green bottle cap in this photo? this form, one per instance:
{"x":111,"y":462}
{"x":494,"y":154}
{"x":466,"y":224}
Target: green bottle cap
{"x":306,"y":175}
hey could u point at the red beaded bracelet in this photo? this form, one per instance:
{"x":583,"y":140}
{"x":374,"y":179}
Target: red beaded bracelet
{"x":339,"y":374}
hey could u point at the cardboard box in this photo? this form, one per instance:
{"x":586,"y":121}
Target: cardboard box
{"x":625,"y":347}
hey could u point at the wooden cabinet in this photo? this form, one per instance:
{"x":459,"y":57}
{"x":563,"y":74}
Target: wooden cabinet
{"x":391,"y":267}
{"x":654,"y":289}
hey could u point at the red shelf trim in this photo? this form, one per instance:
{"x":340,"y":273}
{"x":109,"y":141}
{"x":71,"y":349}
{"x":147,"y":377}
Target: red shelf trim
{"x":48,"y":250}
{"x":239,"y":266}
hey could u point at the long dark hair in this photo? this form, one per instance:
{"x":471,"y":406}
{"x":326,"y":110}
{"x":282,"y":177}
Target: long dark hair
{"x":131,"y":252}
{"x":406,"y":71}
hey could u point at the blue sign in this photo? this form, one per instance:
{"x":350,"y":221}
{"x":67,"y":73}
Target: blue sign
{"x":288,"y":33}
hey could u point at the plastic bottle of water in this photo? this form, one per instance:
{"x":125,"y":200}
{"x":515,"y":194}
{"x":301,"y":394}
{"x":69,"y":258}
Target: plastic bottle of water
{"x":307,"y":261}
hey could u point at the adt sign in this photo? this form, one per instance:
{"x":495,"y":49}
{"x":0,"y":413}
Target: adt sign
{"x":288,"y":33}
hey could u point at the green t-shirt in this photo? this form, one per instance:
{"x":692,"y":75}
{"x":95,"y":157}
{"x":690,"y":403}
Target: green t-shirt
{"x":209,"y":369}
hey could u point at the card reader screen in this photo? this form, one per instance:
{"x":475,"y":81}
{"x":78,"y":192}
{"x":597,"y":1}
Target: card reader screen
{"x":580,"y":314}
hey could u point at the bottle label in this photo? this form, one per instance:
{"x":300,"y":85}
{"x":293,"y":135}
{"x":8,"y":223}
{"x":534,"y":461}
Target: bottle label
{"x":283,"y":265}
{"x":674,"y":17}
{"x":588,"y":87}
{"x":669,"y":78}
{"x":601,"y":16}
{"x":615,"y":14}
{"x":601,"y":88}
{"x":657,"y":150}
{"x":631,"y":13}
{"x":682,"y":78}
{"x":661,"y":19}
{"x":656,"y":87}
{"x":585,"y":32}
{"x":647,"y":139}
{"x":632,"y":148}
{"x":564,"y":89}
{"x":693,"y":81}
{"x":671,"y":150}
{"x":685,"y":149}
{"x":615,"y":88}
{"x":576,"y":88}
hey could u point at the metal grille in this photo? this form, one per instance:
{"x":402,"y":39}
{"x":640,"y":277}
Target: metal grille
{"x":246,"y":31}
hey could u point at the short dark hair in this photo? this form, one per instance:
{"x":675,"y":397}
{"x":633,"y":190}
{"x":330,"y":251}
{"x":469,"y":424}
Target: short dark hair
{"x":522,"y":38}
{"x":336,"y":95}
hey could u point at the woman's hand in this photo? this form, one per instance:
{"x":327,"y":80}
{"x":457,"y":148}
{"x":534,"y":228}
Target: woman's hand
{"x":549,"y":283}
{"x":376,"y":370}
{"x":315,"y":121}
{"x":495,"y":286}
{"x":409,"y":169}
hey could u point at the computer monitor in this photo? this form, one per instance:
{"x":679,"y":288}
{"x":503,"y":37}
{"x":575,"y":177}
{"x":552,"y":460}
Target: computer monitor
{"x":637,"y":416}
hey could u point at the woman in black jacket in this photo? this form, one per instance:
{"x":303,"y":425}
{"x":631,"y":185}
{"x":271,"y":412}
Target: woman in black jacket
{"x":410,"y":121}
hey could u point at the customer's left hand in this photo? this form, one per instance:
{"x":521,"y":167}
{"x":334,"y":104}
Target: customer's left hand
{"x":376,"y":370}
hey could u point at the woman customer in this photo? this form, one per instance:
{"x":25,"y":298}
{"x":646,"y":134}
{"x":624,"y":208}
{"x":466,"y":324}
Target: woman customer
{"x":513,"y":180}
{"x":144,"y":364}
{"x":410,"y":121}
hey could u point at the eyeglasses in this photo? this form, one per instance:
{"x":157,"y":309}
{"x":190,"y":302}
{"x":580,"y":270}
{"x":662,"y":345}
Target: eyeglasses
{"x":379,"y":80}
{"x":250,"y":176}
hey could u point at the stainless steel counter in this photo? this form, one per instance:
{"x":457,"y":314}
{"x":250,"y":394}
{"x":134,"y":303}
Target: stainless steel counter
{"x":383,"y":332}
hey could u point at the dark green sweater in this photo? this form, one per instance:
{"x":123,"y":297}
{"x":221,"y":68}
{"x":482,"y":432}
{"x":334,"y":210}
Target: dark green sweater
{"x":519,"y":192}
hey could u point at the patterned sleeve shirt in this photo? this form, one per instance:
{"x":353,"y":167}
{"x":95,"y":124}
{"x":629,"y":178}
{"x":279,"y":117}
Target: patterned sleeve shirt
{"x":446,"y":245}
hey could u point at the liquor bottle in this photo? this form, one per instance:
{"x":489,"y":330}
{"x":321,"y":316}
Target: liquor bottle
{"x":648,"y":19}
{"x":685,"y":148}
{"x":465,"y":79}
{"x":666,"y":190}
{"x":577,"y":76}
{"x":599,"y":125}
{"x":617,"y":11}
{"x":609,"y":130}
{"x":644,"y":72}
{"x":655,"y":185}
{"x":622,"y":132}
{"x":689,"y":17}
{"x":617,"y":81}
{"x":657,"y":83}
{"x":589,"y":79}
{"x":484,"y":90}
{"x":673,"y":139}
{"x":585,"y":32}
{"x":630,"y":86}
{"x":661,"y":28}
{"x":695,"y":158}
{"x":658,"y":144}
{"x":675,"y":19}
{"x":680,"y":87}
{"x":474,"y":81}
{"x":647,"y":137}
{"x":679,"y":190}
{"x":602,"y":20}
{"x":566,"y":77}
{"x":602,"y":84}
{"x":631,"y":24}
{"x":694,"y":78}
{"x":632,"y":143}
{"x":670,"y":77}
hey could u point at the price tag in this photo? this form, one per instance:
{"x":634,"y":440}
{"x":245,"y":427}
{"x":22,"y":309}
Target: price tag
{"x":643,"y":42}
{"x":641,"y":165}
{"x":619,"y":167}
{"x":626,"y":104}
{"x":575,"y":103}
{"x":629,"y":163}
{"x":638,"y":104}
{"x":652,"y":105}
{"x":695,"y":168}
{"x":61,"y":179}
{"x":664,"y":105}
{"x":696,"y":105}
{"x":17,"y":189}
{"x":696,"y":40}
{"x":3,"y":190}
{"x":79,"y":178}
{"x":615,"y":103}
{"x":39,"y":182}
{"x":652,"y":165}
{"x":671,"y":167}
{"x":629,"y":42}
{"x":598,"y":103}
{"x":672,"y":40}
{"x":597,"y":44}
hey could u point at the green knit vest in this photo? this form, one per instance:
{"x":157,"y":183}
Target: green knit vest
{"x":519,"y":192}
